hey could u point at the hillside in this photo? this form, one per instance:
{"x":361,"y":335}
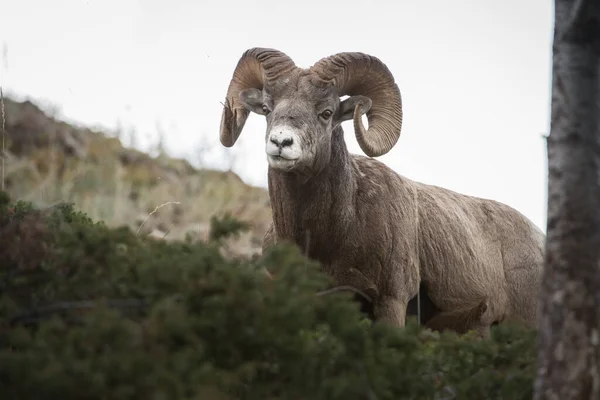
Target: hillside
{"x":48,"y":160}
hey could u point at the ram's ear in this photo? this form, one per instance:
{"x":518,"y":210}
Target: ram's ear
{"x":252,"y":100}
{"x":346,"y":110}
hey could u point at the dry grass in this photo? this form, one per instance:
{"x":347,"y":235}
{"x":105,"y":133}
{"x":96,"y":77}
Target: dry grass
{"x":48,"y":161}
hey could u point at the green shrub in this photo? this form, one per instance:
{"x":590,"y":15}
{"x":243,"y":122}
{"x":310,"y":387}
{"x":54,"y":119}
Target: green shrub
{"x":88,"y":312}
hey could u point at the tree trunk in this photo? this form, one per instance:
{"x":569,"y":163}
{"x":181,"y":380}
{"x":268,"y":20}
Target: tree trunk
{"x":569,"y":329}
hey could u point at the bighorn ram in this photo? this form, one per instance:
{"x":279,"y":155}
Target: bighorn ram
{"x":368,"y":226}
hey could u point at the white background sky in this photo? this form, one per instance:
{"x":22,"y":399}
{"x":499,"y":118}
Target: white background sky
{"x":474,"y":76}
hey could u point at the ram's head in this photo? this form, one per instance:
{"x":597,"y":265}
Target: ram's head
{"x":303,"y":106}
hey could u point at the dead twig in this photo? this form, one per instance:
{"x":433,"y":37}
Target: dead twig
{"x":37,"y":313}
{"x":347,"y":288}
{"x":154,"y":211}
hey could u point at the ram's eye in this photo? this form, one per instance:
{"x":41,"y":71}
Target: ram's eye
{"x":265,"y":109}
{"x":326,"y":114}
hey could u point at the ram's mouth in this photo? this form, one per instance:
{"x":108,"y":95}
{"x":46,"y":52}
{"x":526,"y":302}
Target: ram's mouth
{"x":281,"y":163}
{"x":281,"y":157}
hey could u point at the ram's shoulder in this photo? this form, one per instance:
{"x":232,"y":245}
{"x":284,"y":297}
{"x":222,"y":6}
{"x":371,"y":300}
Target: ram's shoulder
{"x":369,"y":167}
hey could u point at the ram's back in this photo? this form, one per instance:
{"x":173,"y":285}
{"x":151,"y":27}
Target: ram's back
{"x":471,"y":242}
{"x":467,"y":245}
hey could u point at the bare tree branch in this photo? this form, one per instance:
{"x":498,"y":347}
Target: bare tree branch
{"x":345,"y":288}
{"x":36,"y":314}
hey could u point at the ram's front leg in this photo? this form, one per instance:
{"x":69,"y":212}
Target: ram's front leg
{"x":390,"y":310}
{"x":392,"y":303}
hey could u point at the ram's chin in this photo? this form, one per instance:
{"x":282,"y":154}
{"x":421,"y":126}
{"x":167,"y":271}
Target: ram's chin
{"x":280,"y":163}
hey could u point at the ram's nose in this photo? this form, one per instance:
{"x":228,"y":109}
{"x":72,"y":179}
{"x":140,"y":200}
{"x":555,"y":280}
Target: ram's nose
{"x":282,"y":141}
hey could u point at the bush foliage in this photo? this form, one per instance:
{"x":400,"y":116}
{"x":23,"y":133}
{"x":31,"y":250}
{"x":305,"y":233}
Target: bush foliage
{"x":91,"y":312}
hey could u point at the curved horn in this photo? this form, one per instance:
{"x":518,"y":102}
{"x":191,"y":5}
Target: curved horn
{"x":362,"y":74}
{"x":255,"y":67}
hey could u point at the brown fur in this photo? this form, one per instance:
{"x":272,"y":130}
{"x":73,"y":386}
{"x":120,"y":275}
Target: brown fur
{"x":381,"y":232}
{"x":465,"y":248}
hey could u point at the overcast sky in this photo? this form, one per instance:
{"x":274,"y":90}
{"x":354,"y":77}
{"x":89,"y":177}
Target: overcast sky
{"x":474,"y":76}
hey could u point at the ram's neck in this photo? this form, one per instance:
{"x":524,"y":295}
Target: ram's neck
{"x":317,"y":213}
